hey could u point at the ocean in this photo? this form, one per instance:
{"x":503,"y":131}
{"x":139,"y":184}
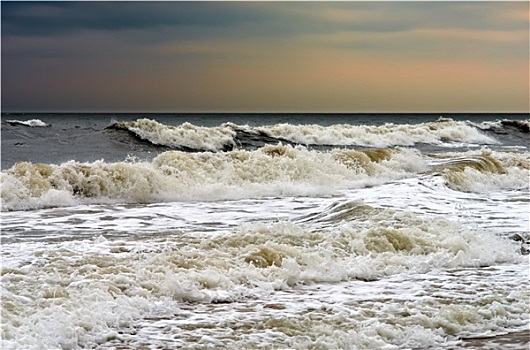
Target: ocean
{"x":265,"y":231}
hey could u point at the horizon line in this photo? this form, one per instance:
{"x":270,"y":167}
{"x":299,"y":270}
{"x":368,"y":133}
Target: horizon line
{"x":264,"y":112}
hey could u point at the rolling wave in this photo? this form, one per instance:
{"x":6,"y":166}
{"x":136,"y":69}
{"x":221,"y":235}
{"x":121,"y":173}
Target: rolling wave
{"x":229,"y":136}
{"x":506,"y":125}
{"x":484,"y":172}
{"x":387,"y":135}
{"x":185,"y":136}
{"x":30,"y":123}
{"x":177,"y":175}
{"x":269,"y":171}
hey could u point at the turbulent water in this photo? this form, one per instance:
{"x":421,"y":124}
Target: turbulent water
{"x":245,"y":231}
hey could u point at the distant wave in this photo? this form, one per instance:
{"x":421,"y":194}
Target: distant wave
{"x":504,"y":126}
{"x":521,"y":125}
{"x":387,"y":135}
{"x":268,"y":171}
{"x":228,"y":136}
{"x":31,"y":123}
{"x":185,"y":136}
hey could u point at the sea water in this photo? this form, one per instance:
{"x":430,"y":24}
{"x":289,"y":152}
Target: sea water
{"x":245,"y":231}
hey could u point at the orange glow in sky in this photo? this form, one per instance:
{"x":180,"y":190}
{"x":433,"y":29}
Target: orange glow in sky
{"x":266,"y":56}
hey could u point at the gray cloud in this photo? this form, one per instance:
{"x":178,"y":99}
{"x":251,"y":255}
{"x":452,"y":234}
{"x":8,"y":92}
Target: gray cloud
{"x":58,"y":18}
{"x":66,"y":42}
{"x":147,"y":23}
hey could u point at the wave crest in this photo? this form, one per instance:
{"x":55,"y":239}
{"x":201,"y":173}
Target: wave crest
{"x":387,"y":135}
{"x":30,"y":123}
{"x":186,"y":135}
{"x":177,"y":175}
{"x":227,"y":136}
{"x":486,"y":171}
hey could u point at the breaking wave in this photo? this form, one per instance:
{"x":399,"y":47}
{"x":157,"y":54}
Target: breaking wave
{"x":485,"y":171}
{"x":177,"y":175}
{"x":269,"y":171}
{"x":30,"y":123}
{"x":185,"y":136}
{"x":229,"y":136}
{"x":387,"y":135}
{"x":503,"y":126}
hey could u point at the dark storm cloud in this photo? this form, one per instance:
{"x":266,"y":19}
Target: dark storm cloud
{"x":197,"y":20}
{"x":57,"y":18}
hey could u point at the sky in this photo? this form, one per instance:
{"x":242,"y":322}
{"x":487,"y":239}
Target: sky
{"x":353,"y":57}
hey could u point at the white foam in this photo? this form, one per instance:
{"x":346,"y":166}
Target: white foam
{"x":79,"y":293}
{"x":269,"y":171}
{"x":486,"y":171}
{"x":301,"y":272}
{"x":476,"y":181}
{"x":31,"y":122}
{"x":388,"y":257}
{"x":486,"y":125}
{"x":185,"y":135}
{"x":387,"y":135}
{"x":444,"y":132}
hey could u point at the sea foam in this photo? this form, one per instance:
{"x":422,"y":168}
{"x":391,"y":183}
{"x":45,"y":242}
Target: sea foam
{"x":98,"y":286}
{"x":176,"y":175}
{"x":185,"y":135}
{"x":225,"y":137}
{"x":30,"y":123}
{"x":386,"y":135}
